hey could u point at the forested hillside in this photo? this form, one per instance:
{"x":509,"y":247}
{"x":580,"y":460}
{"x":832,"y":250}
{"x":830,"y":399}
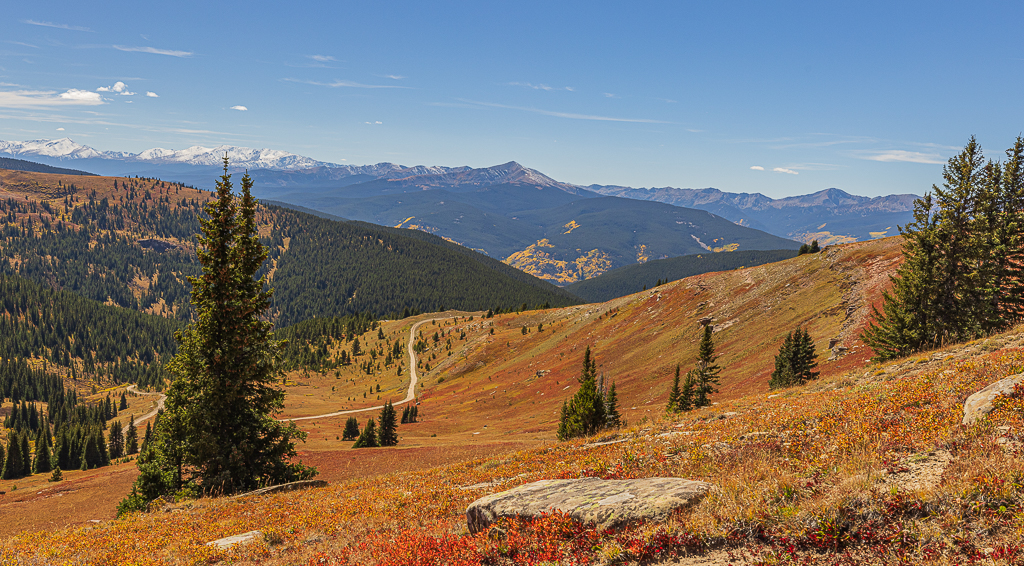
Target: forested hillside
{"x":129,"y":242}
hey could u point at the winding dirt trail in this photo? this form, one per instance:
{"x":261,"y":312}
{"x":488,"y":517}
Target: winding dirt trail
{"x":409,"y":396}
{"x":159,"y":403}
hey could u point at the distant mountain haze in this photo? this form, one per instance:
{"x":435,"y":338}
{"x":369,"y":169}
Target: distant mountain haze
{"x":558,"y":231}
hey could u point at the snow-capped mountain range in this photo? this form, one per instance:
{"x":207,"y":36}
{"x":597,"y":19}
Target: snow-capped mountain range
{"x":67,"y":149}
{"x":301,"y":180}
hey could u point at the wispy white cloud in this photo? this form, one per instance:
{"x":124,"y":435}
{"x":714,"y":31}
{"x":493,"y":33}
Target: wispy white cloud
{"x":322,"y":58}
{"x":41,"y":98}
{"x":240,"y":108}
{"x":119,"y":87}
{"x":542,"y":86}
{"x":395,"y":77}
{"x":152,"y":94}
{"x":757,"y":168}
{"x":784,"y":170}
{"x":374,"y":123}
{"x":569,"y":115}
{"x":155,"y":51}
{"x":610,"y":95}
{"x":22,"y":43}
{"x":339,"y":84}
{"x":899,"y":155}
{"x":60,"y":129}
{"x":53,"y":25}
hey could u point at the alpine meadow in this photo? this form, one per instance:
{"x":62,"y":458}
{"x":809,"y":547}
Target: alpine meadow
{"x":669,"y":284}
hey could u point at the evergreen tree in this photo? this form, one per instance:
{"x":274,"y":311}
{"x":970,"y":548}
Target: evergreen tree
{"x":124,"y":402}
{"x":131,"y":438}
{"x":368,"y":438}
{"x":964,"y":259}
{"x":26,"y":459}
{"x":387,"y":430}
{"x":115,"y":440}
{"x":41,"y":464}
{"x":351,"y":429}
{"x":795,"y":362}
{"x":585,"y":412}
{"x":686,"y":396}
{"x":706,"y":373}
{"x":673,"y":394}
{"x":814,"y":247}
{"x":218,"y":431}
{"x":612,"y":417}
{"x":14,"y":464}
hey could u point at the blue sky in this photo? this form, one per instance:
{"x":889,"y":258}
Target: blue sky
{"x":868,"y":97}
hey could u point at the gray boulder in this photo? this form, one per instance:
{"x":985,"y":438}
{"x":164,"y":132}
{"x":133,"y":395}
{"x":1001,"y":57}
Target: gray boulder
{"x":982,"y":402}
{"x":228,"y":542}
{"x":605,"y":503}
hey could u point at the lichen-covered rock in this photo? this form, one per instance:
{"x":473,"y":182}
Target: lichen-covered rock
{"x":982,"y":402}
{"x":605,"y":503}
{"x":228,"y":542}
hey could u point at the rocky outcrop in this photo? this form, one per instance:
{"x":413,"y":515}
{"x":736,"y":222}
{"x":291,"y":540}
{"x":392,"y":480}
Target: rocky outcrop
{"x":228,"y":542}
{"x":982,"y":402}
{"x":604,"y":503}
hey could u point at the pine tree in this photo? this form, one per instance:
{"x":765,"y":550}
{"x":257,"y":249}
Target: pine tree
{"x":964,"y":259}
{"x":585,"y":413}
{"x":706,"y":372}
{"x":116,"y":440}
{"x":131,"y":438}
{"x":795,"y":362}
{"x":14,"y":464}
{"x":368,"y":438}
{"x":673,"y":394}
{"x":26,"y":458}
{"x":387,"y":429}
{"x":124,"y":402}
{"x":612,"y":417}
{"x":219,"y":432}
{"x":686,"y":396}
{"x":351,"y":429}
{"x":41,"y":464}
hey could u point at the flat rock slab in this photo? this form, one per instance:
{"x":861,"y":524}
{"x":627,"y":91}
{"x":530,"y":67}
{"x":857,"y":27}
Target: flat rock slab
{"x":227,"y":542}
{"x":605,"y":503}
{"x":981,"y":403}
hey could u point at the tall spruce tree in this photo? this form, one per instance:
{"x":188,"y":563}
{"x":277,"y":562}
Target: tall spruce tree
{"x":368,"y":438}
{"x":387,"y":429}
{"x":41,"y":463}
{"x":218,"y":434}
{"x":963,"y":259}
{"x":13,"y":464}
{"x":584,"y":414}
{"x":706,"y":372}
{"x":673,"y":394}
{"x":795,"y":362}
{"x":612,"y":417}
{"x":351,"y":429}
{"x":26,"y":459}
{"x":115,"y":440}
{"x":131,"y":437}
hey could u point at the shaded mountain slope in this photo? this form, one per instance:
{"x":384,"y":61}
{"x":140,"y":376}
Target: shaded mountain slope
{"x":129,"y":242}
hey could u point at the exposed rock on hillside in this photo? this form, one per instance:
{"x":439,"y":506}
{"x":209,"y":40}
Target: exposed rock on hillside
{"x":982,"y":402}
{"x":606,"y":503}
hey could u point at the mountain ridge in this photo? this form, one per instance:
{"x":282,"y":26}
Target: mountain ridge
{"x":829,"y":216}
